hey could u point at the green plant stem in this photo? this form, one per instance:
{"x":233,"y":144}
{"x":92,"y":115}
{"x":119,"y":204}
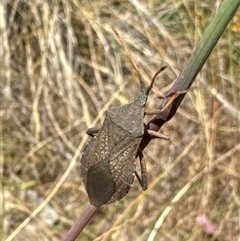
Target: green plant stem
{"x":185,"y":79}
{"x":205,"y":46}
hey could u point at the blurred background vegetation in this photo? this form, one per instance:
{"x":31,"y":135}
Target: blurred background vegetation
{"x":62,"y":67}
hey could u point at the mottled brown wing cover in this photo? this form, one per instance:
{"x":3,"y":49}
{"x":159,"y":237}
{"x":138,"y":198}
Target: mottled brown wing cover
{"x":109,"y":158}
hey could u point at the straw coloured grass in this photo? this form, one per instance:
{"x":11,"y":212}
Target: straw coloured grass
{"x":62,"y":67}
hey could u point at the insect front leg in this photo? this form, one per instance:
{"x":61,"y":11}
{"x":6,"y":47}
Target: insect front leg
{"x":173,"y":97}
{"x":170,"y":101}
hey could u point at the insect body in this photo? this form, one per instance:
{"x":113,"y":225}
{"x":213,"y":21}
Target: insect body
{"x":108,"y":161}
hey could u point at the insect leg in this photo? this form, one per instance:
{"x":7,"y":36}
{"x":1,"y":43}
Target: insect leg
{"x":172,"y":98}
{"x":143,"y":179}
{"x":156,"y":134}
{"x":92,"y":131}
{"x":170,"y":101}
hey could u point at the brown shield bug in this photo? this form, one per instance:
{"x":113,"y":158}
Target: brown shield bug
{"x":108,"y":163}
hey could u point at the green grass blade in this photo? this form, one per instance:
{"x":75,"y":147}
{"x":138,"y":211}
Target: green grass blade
{"x":209,"y":39}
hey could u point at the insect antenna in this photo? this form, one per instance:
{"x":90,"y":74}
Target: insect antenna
{"x":142,"y":83}
{"x":154,"y":78}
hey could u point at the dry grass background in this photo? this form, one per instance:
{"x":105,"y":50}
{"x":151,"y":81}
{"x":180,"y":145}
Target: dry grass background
{"x":62,"y":67}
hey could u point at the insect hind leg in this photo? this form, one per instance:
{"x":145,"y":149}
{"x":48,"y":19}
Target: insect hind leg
{"x":143,"y":179}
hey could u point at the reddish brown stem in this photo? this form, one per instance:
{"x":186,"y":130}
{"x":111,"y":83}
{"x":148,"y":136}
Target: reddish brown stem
{"x":81,"y":222}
